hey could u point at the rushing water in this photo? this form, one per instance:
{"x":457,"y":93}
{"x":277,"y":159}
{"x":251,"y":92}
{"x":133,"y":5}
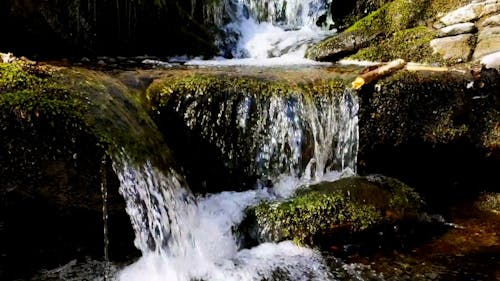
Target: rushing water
{"x":271,"y":32}
{"x":183,"y":237}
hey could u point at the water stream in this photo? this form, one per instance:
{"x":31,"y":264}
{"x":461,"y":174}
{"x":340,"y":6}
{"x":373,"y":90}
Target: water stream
{"x":184,"y":237}
{"x":271,"y":32}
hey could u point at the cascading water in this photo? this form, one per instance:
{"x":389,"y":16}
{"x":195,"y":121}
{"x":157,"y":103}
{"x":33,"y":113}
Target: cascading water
{"x":185,"y":238}
{"x":272,"y":31}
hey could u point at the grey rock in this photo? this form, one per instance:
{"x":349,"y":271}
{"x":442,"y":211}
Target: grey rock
{"x":456,"y":29}
{"x":488,"y":42}
{"x":456,"y":48}
{"x":471,"y":12}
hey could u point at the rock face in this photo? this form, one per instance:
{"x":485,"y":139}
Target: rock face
{"x":329,"y":210}
{"x":488,"y":42}
{"x":464,"y":34}
{"x":456,"y":48}
{"x":441,"y":125}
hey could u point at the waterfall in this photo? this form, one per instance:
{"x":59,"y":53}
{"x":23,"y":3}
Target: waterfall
{"x":262,"y":29}
{"x":183,"y":237}
{"x":266,"y":136}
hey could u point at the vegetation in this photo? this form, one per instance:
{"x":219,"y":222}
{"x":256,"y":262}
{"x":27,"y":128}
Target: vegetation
{"x":350,"y":204}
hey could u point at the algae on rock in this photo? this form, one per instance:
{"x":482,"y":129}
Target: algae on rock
{"x":325,"y":210}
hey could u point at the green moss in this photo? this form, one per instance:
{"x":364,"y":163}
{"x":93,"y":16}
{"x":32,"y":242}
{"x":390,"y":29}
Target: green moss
{"x":409,"y":44}
{"x":161,"y":91}
{"x":34,"y":93}
{"x":353,"y":204}
{"x":391,"y":17}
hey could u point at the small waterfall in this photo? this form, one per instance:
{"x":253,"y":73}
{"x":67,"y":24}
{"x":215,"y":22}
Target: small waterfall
{"x":287,"y":137}
{"x":267,"y":136}
{"x":275,"y":28}
{"x":183,"y":238}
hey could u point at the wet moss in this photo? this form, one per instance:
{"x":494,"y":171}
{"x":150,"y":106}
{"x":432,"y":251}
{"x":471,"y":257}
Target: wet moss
{"x":326,"y":209}
{"x":409,"y":44}
{"x":199,"y":84}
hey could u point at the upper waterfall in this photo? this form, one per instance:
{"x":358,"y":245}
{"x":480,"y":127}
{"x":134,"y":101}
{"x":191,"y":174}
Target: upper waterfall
{"x":264,"y":29}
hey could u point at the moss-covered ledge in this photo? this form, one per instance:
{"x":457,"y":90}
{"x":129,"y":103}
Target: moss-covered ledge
{"x":219,"y":123}
{"x":398,"y":29}
{"x":330,"y":211}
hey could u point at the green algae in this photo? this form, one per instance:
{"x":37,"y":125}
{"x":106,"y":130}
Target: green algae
{"x":350,"y":204}
{"x":409,"y":44}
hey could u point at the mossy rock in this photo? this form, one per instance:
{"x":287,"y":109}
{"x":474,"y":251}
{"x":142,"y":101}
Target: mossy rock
{"x":395,"y":30}
{"x":222,"y":124}
{"x":328,"y":209}
{"x":58,"y":124}
{"x":442,"y":125}
{"x":408,"y":44}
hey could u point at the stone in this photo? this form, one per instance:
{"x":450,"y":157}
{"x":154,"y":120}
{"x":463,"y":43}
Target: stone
{"x":471,"y":12}
{"x":491,"y":21}
{"x":457,"y":29}
{"x":456,"y":48}
{"x":488,"y":42}
{"x":491,"y":60}
{"x":327,"y":210}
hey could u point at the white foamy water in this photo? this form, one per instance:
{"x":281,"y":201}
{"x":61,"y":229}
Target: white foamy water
{"x":201,"y":242}
{"x":273,"y":32}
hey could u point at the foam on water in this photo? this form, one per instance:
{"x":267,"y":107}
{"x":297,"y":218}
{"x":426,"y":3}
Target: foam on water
{"x":210,"y":248}
{"x":274,"y":32}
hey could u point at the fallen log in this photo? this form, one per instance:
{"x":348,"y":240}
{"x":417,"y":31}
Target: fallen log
{"x":378,"y":73}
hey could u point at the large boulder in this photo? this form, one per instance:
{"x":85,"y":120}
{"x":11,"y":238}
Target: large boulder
{"x":59,"y":130}
{"x":330,"y":210}
{"x":422,"y":125}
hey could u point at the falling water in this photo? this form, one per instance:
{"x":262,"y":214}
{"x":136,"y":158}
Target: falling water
{"x":104,"y":193}
{"x":269,"y":32}
{"x":292,"y":134}
{"x":183,"y":237}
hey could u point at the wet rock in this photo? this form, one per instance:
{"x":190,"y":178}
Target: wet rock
{"x":329,"y":210}
{"x":488,"y":42}
{"x":238,"y":130}
{"x":457,"y":29}
{"x":454,"y":48}
{"x":101,"y":63}
{"x":339,"y":46}
{"x":443,"y":125}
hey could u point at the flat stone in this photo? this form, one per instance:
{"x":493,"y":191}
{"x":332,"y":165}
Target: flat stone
{"x":471,"y":12}
{"x":456,"y":29}
{"x":456,"y":48}
{"x":488,"y":42}
{"x":491,"y":21}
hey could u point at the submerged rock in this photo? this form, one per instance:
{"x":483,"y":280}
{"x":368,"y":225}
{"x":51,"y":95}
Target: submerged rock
{"x":331,"y":210}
